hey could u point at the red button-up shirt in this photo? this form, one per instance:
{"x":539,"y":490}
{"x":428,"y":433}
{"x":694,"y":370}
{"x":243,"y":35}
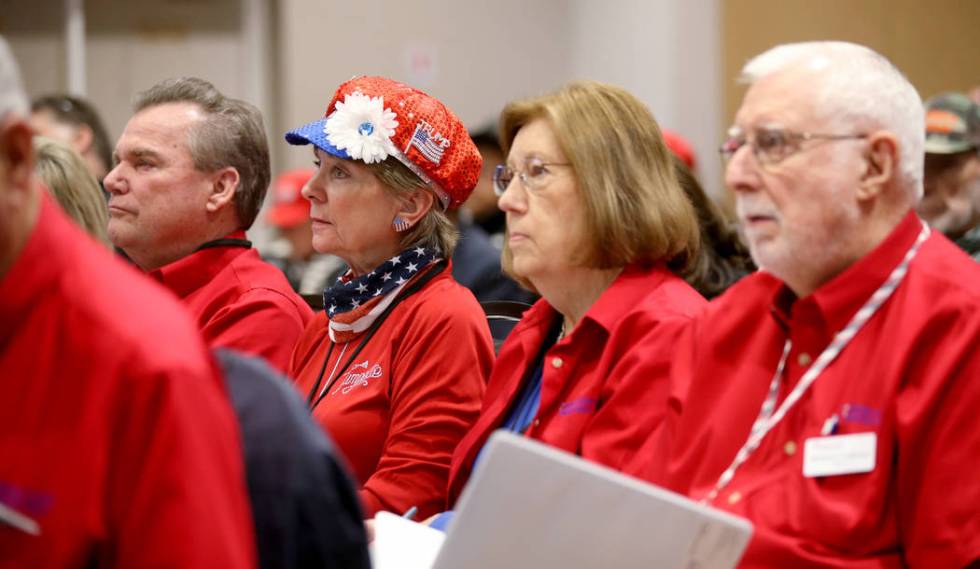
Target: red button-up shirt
{"x":239,"y":301}
{"x":398,"y":411}
{"x":603,"y":387}
{"x":910,"y":376}
{"x":115,"y":433}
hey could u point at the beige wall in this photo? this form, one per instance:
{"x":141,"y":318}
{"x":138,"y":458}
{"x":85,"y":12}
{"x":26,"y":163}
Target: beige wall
{"x":129,"y":47}
{"x":935,"y":42}
{"x":474,"y":56}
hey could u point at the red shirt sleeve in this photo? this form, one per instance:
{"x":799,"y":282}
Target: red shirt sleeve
{"x":261,"y":323}
{"x":633,"y":399}
{"x":938,"y":491}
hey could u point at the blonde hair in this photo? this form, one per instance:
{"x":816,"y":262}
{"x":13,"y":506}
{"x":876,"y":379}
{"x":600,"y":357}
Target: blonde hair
{"x":74,"y":187}
{"x":635,"y":211}
{"x":435,"y":229}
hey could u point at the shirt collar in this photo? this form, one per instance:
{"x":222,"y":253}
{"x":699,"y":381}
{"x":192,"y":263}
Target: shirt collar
{"x":632,"y":284}
{"x":836,"y":301}
{"x":190,"y":273}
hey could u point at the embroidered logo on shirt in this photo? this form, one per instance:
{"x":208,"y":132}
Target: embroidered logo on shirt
{"x":357,"y":376}
{"x":861,"y":414}
{"x":580,"y":405}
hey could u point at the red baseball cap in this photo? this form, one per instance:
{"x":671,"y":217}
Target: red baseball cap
{"x":289,"y":207}
{"x":372,"y":118}
{"x":680,"y":147}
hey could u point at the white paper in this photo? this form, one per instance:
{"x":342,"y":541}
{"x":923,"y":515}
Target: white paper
{"x":403,"y":544}
{"x":839,"y":454}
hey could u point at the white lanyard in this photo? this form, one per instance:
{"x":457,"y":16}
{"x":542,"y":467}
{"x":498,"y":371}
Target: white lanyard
{"x":768,"y":419}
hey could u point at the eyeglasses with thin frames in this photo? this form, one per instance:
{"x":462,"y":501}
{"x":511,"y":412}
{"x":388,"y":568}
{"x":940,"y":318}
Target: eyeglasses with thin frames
{"x":772,"y":145}
{"x":533,"y":177}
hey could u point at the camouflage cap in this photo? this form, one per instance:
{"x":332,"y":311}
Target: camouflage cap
{"x":952,"y":124}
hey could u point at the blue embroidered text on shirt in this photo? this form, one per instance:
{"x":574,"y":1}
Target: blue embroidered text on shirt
{"x":580,"y":405}
{"x":30,"y":502}
{"x":354,"y":378}
{"x":862,"y":414}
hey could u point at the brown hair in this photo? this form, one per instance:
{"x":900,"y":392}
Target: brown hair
{"x":232,"y":134}
{"x":69,"y":181}
{"x":635,"y":212}
{"x":435,"y":229}
{"x":723,"y":258}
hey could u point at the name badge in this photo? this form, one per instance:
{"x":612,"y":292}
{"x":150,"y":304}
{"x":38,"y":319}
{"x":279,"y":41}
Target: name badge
{"x":840,"y":454}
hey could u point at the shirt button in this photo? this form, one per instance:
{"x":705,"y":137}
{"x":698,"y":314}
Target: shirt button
{"x":804,"y":359}
{"x":537,"y":422}
{"x":734,"y":497}
{"x":790,"y":448}
{"x":557,"y":362}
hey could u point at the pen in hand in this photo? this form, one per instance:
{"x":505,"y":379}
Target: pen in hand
{"x":410,"y":513}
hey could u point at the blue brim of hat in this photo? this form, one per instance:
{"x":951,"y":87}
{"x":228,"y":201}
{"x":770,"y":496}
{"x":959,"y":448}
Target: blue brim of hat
{"x":312,"y":133}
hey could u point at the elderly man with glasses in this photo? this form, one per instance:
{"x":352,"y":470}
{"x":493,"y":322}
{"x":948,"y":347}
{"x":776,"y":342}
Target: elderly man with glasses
{"x":831,"y":398}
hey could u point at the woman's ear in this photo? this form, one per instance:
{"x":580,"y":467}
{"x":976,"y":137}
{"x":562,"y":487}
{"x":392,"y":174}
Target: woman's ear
{"x":223,"y":190}
{"x":412,"y":209}
{"x":881,"y":164}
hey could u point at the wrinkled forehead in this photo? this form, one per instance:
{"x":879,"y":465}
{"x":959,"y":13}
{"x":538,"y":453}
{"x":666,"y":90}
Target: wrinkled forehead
{"x":791,"y":99}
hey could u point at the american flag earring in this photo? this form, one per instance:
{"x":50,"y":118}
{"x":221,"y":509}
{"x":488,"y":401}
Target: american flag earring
{"x":400,"y":224}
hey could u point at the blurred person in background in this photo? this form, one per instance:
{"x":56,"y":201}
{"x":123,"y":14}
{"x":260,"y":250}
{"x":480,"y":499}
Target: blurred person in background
{"x":118,"y":445}
{"x":394,"y":367}
{"x":192,"y":171}
{"x":481,"y":207}
{"x":75,"y":122}
{"x":599,"y":227}
{"x":951,"y":202}
{"x":723,"y":259}
{"x":66,"y":176}
{"x":308,"y":272}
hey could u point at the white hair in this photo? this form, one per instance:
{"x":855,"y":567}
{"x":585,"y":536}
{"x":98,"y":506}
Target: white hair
{"x":12,"y":96}
{"x":857,"y":87}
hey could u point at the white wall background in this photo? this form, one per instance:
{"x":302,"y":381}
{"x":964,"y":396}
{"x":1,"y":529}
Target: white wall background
{"x":287,"y":56}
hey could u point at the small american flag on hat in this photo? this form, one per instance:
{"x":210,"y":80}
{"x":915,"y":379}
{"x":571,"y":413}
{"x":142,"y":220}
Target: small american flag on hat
{"x":429,"y":142}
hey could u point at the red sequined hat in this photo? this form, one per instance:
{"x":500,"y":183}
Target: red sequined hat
{"x":372,"y":118}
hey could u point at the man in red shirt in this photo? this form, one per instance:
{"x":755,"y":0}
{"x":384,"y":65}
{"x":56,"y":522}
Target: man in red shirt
{"x":118,"y":447}
{"x":192,"y":169}
{"x":831,"y":398}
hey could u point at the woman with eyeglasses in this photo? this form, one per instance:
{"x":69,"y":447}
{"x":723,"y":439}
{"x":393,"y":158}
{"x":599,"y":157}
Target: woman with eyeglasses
{"x":394,"y":367}
{"x":598,"y":226}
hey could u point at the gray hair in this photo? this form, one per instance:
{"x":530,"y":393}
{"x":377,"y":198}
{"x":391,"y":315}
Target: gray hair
{"x":858,"y":86}
{"x":13,"y":99}
{"x":232,"y":134}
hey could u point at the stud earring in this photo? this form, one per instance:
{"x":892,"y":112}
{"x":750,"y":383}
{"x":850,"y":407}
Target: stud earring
{"x":400,"y":224}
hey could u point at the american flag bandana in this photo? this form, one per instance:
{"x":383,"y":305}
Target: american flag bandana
{"x":353,"y":303}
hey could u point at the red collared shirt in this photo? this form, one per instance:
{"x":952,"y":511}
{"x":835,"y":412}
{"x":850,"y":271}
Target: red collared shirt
{"x":115,"y":433}
{"x":601,"y":392}
{"x":239,"y":301}
{"x":398,"y":411}
{"x":909,"y":376}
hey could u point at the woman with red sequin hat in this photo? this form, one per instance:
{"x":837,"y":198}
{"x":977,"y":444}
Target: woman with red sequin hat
{"x":395,"y":365}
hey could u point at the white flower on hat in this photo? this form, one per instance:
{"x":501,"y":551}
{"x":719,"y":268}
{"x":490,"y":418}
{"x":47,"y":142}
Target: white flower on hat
{"x":363,"y":127}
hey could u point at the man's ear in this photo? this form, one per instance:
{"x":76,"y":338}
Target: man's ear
{"x":415,"y":205}
{"x":223,"y":190}
{"x":17,"y":153}
{"x":881,"y":164}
